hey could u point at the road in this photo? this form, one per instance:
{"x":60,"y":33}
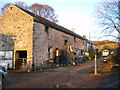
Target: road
{"x":63,"y":77}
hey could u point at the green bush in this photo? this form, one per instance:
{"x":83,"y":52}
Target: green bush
{"x":91,"y":52}
{"x":116,"y":57}
{"x":99,"y":54}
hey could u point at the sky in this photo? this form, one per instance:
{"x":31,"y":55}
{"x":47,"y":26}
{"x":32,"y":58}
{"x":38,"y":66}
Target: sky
{"x":77,"y":14}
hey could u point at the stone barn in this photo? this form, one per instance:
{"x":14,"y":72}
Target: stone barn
{"x":32,"y":39}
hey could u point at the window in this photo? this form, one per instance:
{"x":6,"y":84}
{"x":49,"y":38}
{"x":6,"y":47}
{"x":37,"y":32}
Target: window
{"x":46,"y":29}
{"x":6,"y":55}
{"x":74,"y":39}
{"x":6,"y":59}
{"x":65,"y":42}
{"x":49,"y":52}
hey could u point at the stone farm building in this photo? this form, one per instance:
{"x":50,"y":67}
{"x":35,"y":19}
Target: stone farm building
{"x":26,"y":35}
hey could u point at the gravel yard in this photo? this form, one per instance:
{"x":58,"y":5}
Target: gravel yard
{"x":63,"y":77}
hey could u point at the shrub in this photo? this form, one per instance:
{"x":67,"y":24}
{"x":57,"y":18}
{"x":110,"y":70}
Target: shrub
{"x":91,"y":52}
{"x":116,"y":57}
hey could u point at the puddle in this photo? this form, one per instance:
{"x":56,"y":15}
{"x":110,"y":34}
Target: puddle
{"x":60,"y":86}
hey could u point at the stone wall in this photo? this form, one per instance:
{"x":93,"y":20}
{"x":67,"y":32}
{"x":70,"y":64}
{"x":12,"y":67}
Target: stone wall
{"x":40,"y":43}
{"x":6,"y":43}
{"x":18,"y":24}
{"x":47,"y":37}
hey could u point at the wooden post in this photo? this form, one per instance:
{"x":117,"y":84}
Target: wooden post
{"x":95,"y":65}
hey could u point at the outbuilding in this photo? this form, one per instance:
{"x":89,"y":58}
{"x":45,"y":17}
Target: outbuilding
{"x":32,"y":39}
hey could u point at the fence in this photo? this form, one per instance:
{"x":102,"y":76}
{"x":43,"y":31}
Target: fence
{"x":23,"y":64}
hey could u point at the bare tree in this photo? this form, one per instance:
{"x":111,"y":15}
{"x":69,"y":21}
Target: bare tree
{"x":20,"y":4}
{"x":108,"y":18}
{"x":4,"y":8}
{"x":44,"y":11}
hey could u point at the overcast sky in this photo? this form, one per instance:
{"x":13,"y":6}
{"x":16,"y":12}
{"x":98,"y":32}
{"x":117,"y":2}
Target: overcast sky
{"x":77,"y":14}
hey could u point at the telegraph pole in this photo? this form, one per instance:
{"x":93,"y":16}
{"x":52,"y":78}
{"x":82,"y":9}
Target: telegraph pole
{"x":89,"y":35}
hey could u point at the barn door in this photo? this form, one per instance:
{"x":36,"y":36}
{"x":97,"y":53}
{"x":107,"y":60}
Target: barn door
{"x":21,"y":57}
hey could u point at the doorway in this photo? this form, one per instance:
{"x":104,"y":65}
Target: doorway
{"x":20,"y":58}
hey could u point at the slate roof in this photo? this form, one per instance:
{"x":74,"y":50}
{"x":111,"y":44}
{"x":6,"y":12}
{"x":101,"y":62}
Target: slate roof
{"x":53,"y":25}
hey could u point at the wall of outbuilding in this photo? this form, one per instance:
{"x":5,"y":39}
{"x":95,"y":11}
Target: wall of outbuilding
{"x":18,"y":25}
{"x":51,"y":38}
{"x":36,"y":38}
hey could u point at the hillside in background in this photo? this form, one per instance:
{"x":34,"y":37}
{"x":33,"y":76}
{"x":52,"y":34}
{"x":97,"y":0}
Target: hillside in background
{"x":105,"y":44}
